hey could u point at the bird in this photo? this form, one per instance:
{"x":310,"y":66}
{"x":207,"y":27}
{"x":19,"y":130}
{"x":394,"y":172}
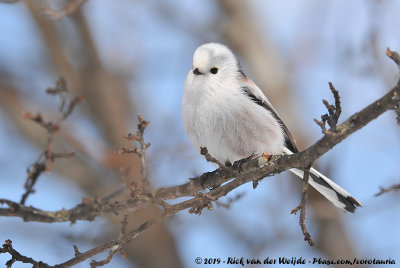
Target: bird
{"x":224,"y":111}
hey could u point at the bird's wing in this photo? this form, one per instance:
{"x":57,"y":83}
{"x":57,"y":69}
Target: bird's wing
{"x":252,"y":91}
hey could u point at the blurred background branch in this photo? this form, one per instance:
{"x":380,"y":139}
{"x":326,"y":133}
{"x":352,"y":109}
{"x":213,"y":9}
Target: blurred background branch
{"x":68,"y":9}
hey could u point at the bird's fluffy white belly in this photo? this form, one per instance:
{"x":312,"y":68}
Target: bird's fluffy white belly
{"x":231,"y":130}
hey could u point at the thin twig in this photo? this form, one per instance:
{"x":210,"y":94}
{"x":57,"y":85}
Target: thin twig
{"x":334,"y":111}
{"x":141,"y":150}
{"x":111,"y":253}
{"x":393,"y":188}
{"x":302,"y":207}
{"x":124,"y":223}
{"x":46,"y":159}
{"x":338,"y":107}
{"x":16,"y":256}
{"x":228,"y":204}
{"x":67,"y":10}
{"x":114,"y":244}
{"x":394,"y":56}
{"x":76,"y":250}
{"x":228,"y":168}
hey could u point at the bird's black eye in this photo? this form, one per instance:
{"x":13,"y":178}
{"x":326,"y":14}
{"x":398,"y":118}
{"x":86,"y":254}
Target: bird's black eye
{"x":214,"y":70}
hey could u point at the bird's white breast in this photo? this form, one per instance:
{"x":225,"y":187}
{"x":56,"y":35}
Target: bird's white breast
{"x":227,"y":122}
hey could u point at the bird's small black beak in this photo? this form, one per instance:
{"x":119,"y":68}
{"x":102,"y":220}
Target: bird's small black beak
{"x":197,"y":72}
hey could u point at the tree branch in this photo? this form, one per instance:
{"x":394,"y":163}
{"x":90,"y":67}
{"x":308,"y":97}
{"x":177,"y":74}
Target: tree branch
{"x":16,"y":256}
{"x":141,"y":150}
{"x":46,"y":159}
{"x":220,"y":182}
{"x":302,"y":207}
{"x":393,"y":188}
{"x":67,"y":10}
{"x":252,"y":169}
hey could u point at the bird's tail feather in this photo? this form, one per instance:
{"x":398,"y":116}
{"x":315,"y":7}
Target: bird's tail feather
{"x":333,"y":192}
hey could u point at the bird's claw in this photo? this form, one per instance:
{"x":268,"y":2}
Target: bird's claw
{"x":266,"y":157}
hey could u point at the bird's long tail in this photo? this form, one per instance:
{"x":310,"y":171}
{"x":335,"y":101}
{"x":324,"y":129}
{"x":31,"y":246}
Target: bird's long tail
{"x":333,"y":192}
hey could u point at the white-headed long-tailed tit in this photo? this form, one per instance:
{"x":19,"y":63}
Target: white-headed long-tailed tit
{"x":224,"y":111}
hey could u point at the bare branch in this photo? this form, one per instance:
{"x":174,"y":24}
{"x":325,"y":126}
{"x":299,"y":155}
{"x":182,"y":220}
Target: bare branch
{"x":124,"y":223}
{"x":16,"y":256}
{"x":338,"y":107}
{"x":334,"y":111}
{"x":228,"y":204}
{"x":342,"y":131}
{"x":394,"y":56}
{"x":393,"y":188}
{"x":46,"y":158}
{"x":76,"y":250}
{"x":302,"y":207}
{"x":141,"y":150}
{"x":210,"y":158}
{"x":114,"y":249}
{"x":67,"y":112}
{"x":220,"y":182}
{"x":321,"y":124}
{"x":249,"y":171}
{"x":114,"y":243}
{"x":67,"y":10}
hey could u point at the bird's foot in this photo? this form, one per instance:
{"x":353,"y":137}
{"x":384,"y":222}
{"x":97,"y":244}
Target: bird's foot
{"x":267,"y":157}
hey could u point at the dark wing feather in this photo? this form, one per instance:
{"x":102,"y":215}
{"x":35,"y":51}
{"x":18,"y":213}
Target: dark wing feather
{"x":289,"y":140}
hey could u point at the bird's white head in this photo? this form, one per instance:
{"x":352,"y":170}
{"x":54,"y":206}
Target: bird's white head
{"x":213,"y":64}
